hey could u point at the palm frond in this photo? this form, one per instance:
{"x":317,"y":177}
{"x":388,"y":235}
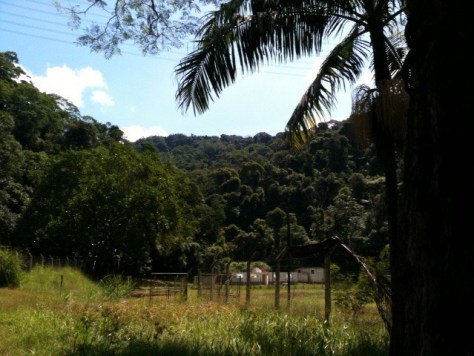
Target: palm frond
{"x":363,"y":99}
{"x":211,"y":67}
{"x":343,"y":65}
{"x":244,"y":34}
{"x":388,"y":104}
{"x":391,"y":107}
{"x":396,"y":51}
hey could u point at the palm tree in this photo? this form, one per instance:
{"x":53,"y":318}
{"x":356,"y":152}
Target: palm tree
{"x":251,"y":32}
{"x":243,"y":34}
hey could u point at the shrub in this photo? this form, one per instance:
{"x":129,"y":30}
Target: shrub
{"x":115,"y":286}
{"x":10,"y":268}
{"x":352,"y":296}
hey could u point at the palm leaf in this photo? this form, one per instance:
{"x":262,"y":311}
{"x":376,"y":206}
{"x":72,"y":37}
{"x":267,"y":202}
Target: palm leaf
{"x":343,"y":65}
{"x":245,"y":34}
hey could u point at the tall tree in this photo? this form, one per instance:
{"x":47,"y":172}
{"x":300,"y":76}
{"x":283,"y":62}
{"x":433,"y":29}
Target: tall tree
{"x":110,"y":204}
{"x":433,"y":291}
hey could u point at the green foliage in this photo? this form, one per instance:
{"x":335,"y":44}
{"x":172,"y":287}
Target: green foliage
{"x":9,"y":70}
{"x":10,"y":268}
{"x":351,"y":295}
{"x":34,"y":124}
{"x":47,"y":281}
{"x":110,"y":204}
{"x":166,"y":24}
{"x":67,"y":187}
{"x":244,"y":184}
{"x":116,"y":286}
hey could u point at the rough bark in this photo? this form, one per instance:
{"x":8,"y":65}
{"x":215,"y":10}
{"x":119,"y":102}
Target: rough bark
{"x":432,"y":275}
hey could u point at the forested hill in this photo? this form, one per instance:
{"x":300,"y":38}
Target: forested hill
{"x":73,"y":187}
{"x":332,"y":186}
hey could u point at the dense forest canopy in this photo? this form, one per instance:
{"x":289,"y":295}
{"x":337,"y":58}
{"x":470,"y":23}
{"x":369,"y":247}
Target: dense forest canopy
{"x":71,"y":186}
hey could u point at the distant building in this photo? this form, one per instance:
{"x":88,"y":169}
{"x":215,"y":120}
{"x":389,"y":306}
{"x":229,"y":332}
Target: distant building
{"x":261,"y":276}
{"x":311,"y":275}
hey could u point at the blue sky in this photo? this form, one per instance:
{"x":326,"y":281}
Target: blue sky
{"x":137,"y":92}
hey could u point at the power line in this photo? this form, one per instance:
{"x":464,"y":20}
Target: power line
{"x":32,"y":18}
{"x":90,"y":21}
{"x":39,"y":28}
{"x":32,"y":9}
{"x":159,"y":58}
{"x":127,"y":45}
{"x":42,"y":19}
{"x":52,"y":13}
{"x":34,"y":36}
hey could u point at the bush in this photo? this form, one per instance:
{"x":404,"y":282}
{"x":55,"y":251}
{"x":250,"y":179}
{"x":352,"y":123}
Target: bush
{"x":352,"y":295}
{"x":10,"y":268}
{"x":115,"y":286}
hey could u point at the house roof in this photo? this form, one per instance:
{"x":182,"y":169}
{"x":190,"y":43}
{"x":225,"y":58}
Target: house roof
{"x":311,"y":249}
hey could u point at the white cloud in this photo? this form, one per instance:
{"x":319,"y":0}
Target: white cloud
{"x":72,"y":83}
{"x":102,"y":98}
{"x":135,"y":132}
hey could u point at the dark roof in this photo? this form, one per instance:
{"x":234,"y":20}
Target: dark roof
{"x":312,"y":249}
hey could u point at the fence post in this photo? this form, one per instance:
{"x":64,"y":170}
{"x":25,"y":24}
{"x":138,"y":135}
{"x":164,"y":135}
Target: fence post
{"x":61,"y":285}
{"x":277,"y":284}
{"x":247,"y":289}
{"x":199,"y":283}
{"x":327,"y":287}
{"x":52,"y":260}
{"x":240,"y":285}
{"x":42,"y":260}
{"x":186,"y":278}
{"x":30,"y":265}
{"x":211,"y":286}
{"x":247,"y":293}
{"x":119,"y":259}
{"x":288,"y":244}
{"x":227,"y":281}
{"x":149,"y":289}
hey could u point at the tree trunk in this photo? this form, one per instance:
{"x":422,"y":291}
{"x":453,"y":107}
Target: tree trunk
{"x":385,"y":149}
{"x":383,"y":138}
{"x":431,"y":276}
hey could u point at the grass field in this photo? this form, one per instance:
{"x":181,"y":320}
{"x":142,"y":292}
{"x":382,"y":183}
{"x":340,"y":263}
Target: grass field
{"x":45,"y":316}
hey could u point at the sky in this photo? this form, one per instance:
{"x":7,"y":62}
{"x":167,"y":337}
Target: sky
{"x":137,"y":93}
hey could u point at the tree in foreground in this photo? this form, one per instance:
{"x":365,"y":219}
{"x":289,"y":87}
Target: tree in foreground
{"x":433,"y":290}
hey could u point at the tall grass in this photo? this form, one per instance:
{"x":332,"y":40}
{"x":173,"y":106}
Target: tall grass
{"x":80,"y":319}
{"x":64,"y":282}
{"x":10,"y":268}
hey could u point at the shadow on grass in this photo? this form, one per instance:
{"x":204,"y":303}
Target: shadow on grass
{"x":135,"y":348}
{"x":141,"y":348}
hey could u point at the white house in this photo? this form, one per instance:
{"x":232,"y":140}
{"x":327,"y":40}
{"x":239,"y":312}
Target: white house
{"x":311,"y":275}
